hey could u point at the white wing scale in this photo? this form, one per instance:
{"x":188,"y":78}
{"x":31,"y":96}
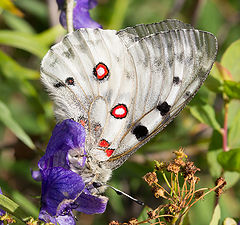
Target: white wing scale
{"x":186,"y":57}
{"x":125,"y":87}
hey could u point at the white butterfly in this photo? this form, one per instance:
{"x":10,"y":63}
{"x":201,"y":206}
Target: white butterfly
{"x":124,"y":87}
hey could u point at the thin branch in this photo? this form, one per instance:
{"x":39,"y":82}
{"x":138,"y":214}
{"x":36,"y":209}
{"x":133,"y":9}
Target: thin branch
{"x":225,"y":127}
{"x":69,"y":15}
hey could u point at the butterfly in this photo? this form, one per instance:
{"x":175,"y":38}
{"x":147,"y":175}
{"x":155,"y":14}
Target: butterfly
{"x":125,"y":86}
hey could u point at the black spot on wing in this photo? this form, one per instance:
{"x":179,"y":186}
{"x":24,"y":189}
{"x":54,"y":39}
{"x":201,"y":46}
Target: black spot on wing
{"x":59,"y":84}
{"x":136,"y":39}
{"x":164,"y":108}
{"x":69,"y":81}
{"x":176,"y":80}
{"x":140,"y":132}
{"x":187,"y":94}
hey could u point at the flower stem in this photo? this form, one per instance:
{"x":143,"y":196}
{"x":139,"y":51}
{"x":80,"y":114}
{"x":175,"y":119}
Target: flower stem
{"x":225,"y":126}
{"x":69,"y":15}
{"x":166,"y":180}
{"x":118,"y":15}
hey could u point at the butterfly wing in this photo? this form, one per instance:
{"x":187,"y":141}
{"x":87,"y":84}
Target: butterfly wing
{"x":91,"y":79}
{"x":125,"y":90}
{"x":130,"y":35}
{"x":171,"y":66}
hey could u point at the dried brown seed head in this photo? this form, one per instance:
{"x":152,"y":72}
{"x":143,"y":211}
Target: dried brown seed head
{"x":160,"y":166}
{"x":114,"y":223}
{"x":198,"y":194}
{"x":180,"y":154}
{"x":151,"y":178}
{"x":151,"y":214}
{"x":221,"y":183}
{"x":180,"y":162}
{"x":189,"y":171}
{"x":172,"y":167}
{"x":7,"y":218}
{"x":133,"y":221}
{"x":172,"y":210}
{"x":158,"y":191}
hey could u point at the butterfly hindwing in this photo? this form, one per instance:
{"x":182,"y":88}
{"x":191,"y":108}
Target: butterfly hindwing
{"x":180,"y":61}
{"x":124,"y":87}
{"x":130,"y":35}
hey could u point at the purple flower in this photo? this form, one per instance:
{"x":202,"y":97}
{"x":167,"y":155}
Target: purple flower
{"x":67,"y":138}
{"x":81,"y":15}
{"x":64,"y":190}
{"x":2,"y":212}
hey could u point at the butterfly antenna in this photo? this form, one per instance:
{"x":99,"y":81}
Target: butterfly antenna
{"x":119,"y":192}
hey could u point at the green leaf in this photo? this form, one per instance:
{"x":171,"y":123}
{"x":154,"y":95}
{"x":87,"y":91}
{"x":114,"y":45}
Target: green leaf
{"x":213,"y":165}
{"x":13,"y":208}
{"x":231,"y":178}
{"x":216,"y":215}
{"x":11,"y":69}
{"x":233,"y":111}
{"x":17,"y":23}
{"x":49,"y":36}
{"x":6,"y":118}
{"x":231,"y":59}
{"x":230,"y":160}
{"x":214,"y":81}
{"x":231,"y":89}
{"x":25,"y":204}
{"x":205,"y":114}
{"x":143,"y":214}
{"x":33,"y":7}
{"x":234,"y":132}
{"x":24,"y":41}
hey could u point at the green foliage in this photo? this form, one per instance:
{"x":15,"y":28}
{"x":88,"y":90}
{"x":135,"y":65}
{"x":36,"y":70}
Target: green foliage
{"x":14,"y":209}
{"x":213,"y":115}
{"x":231,"y":89}
{"x":230,"y":160}
{"x":6,"y":118}
{"x":216,"y":216}
{"x":205,"y":114}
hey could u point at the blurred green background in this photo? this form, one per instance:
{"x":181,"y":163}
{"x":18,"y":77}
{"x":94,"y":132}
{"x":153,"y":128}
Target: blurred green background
{"x":30,"y":27}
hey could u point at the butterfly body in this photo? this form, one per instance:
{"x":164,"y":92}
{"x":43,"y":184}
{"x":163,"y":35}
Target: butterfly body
{"x":124,"y":87}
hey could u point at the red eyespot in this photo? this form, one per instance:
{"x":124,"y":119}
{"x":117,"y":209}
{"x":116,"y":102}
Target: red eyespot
{"x":103,"y":143}
{"x":119,"y":111}
{"x":83,"y":123}
{"x":109,"y":152}
{"x":101,"y":71}
{"x":69,"y":81}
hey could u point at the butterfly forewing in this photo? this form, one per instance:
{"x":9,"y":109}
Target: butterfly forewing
{"x":130,"y":35}
{"x":91,"y":79}
{"x":124,"y":87}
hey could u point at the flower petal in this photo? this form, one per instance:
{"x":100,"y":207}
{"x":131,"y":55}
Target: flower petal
{"x":59,"y":189}
{"x":82,"y":19}
{"x":90,"y":204}
{"x":59,"y":220}
{"x":61,"y":4}
{"x":66,"y":136}
{"x":81,"y":16}
{"x":86,"y":4}
{"x":36,"y":175}
{"x":63,"y":191}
